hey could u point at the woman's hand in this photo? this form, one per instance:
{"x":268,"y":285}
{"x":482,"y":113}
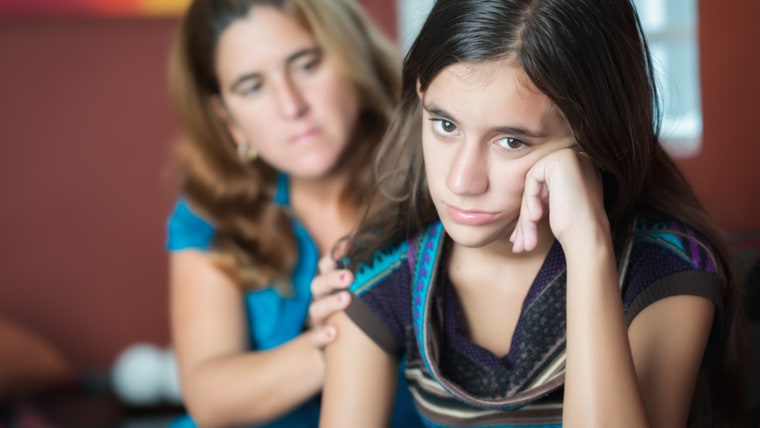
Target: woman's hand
{"x":328,"y":296}
{"x":566,"y":185}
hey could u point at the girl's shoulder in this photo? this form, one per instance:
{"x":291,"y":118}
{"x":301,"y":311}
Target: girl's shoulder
{"x":665,"y":257}
{"x":384,"y":263}
{"x":662,"y":236}
{"x":395,"y":260}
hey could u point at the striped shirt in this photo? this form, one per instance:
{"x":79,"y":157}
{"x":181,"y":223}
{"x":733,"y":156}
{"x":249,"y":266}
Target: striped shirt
{"x":408,"y":306}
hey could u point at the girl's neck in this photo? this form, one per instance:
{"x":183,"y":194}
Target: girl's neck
{"x":496,"y":268}
{"x":491,"y":284}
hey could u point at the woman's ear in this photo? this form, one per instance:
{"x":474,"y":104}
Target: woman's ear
{"x":221,"y":111}
{"x":420,"y":94}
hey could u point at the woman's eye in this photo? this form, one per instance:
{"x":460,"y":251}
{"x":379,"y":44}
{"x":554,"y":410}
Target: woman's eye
{"x":510,"y":143}
{"x":444,"y":127}
{"x":309,"y":64}
{"x":250,"y":90}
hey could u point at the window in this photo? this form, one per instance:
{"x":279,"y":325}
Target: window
{"x":671,"y":29}
{"x":411,"y":16}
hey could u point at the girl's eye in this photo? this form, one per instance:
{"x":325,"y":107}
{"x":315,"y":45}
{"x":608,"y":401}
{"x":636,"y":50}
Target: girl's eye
{"x":510,"y":143}
{"x":444,"y":127}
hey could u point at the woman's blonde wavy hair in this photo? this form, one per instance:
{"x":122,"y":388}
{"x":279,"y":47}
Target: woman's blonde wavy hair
{"x":254,"y":242}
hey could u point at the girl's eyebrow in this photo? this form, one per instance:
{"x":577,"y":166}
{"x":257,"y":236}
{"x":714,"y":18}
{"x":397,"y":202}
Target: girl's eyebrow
{"x":433,"y":110}
{"x":518,"y":131}
{"x":311,"y":51}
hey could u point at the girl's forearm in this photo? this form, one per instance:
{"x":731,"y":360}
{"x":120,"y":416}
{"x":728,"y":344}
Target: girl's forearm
{"x":601,"y":387}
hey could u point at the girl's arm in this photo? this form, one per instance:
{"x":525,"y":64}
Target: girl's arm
{"x":615,"y":375}
{"x":224,"y":383}
{"x":638,"y":376}
{"x":360,"y":380}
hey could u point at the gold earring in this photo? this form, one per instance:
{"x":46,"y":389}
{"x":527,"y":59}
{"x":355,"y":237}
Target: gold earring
{"x":246,"y":152}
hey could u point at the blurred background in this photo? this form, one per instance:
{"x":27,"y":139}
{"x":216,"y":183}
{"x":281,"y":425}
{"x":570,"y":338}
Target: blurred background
{"x":86,"y":133}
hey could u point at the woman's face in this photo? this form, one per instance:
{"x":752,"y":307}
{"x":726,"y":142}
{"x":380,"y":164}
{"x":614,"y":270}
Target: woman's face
{"x":484,"y":126}
{"x":282,"y":95}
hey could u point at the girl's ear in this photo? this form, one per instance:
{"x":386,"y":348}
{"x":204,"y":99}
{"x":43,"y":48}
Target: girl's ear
{"x":420,"y":94}
{"x":221,"y":111}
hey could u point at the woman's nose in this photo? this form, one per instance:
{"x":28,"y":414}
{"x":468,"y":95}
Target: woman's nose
{"x":290,"y":99}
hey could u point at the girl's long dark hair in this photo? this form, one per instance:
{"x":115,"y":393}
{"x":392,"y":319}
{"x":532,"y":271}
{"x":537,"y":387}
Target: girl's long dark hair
{"x":590,"y":57}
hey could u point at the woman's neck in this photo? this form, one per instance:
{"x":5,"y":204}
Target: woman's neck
{"x":321,"y":207}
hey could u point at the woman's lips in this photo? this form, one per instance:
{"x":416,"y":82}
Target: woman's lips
{"x":304,"y":136}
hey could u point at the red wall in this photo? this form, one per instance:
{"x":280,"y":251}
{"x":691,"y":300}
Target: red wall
{"x":384,"y":13}
{"x":86,"y":128}
{"x":726,"y":173}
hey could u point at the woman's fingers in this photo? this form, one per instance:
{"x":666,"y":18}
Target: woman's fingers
{"x":320,"y":310}
{"x":328,"y":281}
{"x":327,"y":297}
{"x":326,"y":264}
{"x":323,"y":336}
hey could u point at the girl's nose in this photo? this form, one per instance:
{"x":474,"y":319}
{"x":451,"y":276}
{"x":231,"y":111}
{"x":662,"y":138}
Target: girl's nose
{"x":468,"y":174}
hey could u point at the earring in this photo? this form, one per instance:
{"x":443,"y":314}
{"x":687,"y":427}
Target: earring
{"x":246,"y":152}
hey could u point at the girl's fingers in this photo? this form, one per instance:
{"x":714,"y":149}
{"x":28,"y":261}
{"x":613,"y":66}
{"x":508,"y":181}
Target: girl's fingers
{"x":516,"y":243}
{"x":531,"y":210}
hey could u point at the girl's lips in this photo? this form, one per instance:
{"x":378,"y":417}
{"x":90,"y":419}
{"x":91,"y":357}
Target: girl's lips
{"x":469,"y":217}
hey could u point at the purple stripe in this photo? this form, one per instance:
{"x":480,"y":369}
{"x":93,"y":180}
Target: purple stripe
{"x":695,"y":254}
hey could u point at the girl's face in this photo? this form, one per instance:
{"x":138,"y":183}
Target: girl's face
{"x":283,"y":95}
{"x":484,"y":126}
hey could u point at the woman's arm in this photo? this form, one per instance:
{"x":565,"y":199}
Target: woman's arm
{"x":360,"y":380}
{"x":223,"y":383}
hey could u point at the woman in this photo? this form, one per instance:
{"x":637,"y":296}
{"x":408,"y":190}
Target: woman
{"x":282,"y":104}
{"x":548,"y":265}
